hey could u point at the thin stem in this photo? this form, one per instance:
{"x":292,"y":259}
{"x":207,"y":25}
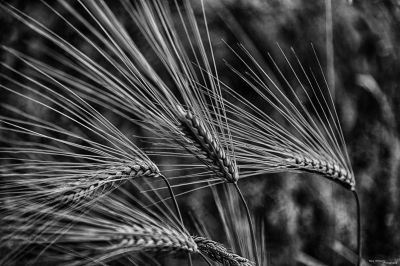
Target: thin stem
{"x":205,"y":259}
{"x":359,"y":248}
{"x":178,"y":211}
{"x":189,"y":257}
{"x":253,"y":236}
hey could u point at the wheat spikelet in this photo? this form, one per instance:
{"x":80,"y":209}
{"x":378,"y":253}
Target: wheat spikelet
{"x":219,"y":253}
{"x":100,"y":181}
{"x":218,"y":160}
{"x":330,"y":170}
{"x":153,"y":239}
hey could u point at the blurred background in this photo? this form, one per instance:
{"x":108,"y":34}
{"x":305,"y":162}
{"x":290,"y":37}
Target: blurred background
{"x":306,"y":220}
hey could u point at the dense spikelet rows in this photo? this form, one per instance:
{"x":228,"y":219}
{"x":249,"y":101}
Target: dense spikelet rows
{"x":153,"y":239}
{"x":220,"y":164}
{"x":100,"y":181}
{"x":219,"y":253}
{"x":330,"y":170}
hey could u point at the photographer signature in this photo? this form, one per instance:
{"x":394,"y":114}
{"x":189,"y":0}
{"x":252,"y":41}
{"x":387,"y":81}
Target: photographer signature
{"x":394,"y":261}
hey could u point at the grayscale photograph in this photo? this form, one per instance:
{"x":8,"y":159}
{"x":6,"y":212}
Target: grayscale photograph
{"x":199,"y":132}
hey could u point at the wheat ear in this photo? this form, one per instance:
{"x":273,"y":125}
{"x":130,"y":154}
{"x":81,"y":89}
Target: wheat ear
{"x":207,"y":146}
{"x":330,"y":170}
{"x":107,"y":179}
{"x":151,"y":238}
{"x":217,"y":252}
{"x":304,"y":139}
{"x":109,"y":229}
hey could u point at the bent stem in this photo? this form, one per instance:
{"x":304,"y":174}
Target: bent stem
{"x":358,"y":228}
{"x":253,"y":237}
{"x":178,"y":212}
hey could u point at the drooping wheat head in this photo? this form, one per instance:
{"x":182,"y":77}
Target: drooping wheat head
{"x":110,"y":229}
{"x":219,"y":253}
{"x":203,"y":141}
{"x":302,"y":134}
{"x":120,"y":226}
{"x":100,"y":181}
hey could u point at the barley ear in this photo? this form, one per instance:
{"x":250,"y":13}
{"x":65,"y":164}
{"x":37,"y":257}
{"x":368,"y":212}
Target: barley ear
{"x":331,"y":170}
{"x":217,"y":252}
{"x":207,"y":145}
{"x":105,"y":180}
